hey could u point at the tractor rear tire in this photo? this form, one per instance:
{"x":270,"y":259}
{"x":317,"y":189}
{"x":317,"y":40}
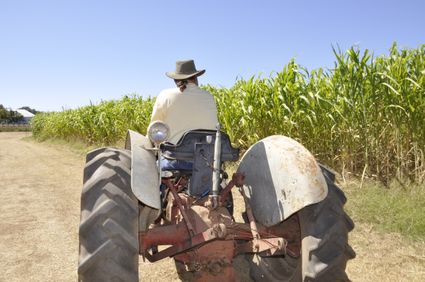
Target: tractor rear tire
{"x":109,"y":219}
{"x":324,"y":246}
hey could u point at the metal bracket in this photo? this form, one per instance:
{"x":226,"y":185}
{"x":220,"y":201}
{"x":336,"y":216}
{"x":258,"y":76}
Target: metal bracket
{"x":216,"y":232}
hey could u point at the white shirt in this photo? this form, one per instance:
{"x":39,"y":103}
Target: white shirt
{"x":193,"y":108}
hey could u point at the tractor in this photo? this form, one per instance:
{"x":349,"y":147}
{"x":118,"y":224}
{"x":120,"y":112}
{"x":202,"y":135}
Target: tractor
{"x":133,"y":206}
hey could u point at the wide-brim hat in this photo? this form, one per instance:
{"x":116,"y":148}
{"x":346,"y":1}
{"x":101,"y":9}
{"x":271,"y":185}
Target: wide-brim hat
{"x":184,"y":70}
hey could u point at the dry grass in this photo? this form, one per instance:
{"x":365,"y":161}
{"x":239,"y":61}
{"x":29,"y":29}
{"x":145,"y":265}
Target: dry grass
{"x":382,"y":253}
{"x":385,"y":256}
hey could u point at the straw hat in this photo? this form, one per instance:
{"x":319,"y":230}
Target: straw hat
{"x":184,"y":70}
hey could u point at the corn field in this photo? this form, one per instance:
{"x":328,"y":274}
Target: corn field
{"x":101,"y":124}
{"x":364,"y":116}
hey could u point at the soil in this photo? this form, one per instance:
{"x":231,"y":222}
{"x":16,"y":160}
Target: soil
{"x":40,"y":188}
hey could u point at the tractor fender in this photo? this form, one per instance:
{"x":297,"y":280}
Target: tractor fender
{"x":144,"y":171}
{"x":281,"y":177}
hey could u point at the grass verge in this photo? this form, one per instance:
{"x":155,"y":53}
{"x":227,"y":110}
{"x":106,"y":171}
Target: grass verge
{"x":14,"y":128}
{"x":75,"y":146}
{"x":396,"y":208}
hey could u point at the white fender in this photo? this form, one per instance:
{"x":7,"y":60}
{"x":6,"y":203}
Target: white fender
{"x":281,"y":177}
{"x":144,"y":172}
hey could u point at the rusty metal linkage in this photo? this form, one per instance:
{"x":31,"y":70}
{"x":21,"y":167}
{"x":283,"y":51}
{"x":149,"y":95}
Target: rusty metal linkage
{"x":225,"y":238}
{"x":252,"y":223}
{"x":180,"y":244}
{"x":180,"y":205}
{"x":237,"y":180}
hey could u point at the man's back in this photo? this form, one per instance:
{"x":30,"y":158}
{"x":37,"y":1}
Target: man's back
{"x":193,"y":108}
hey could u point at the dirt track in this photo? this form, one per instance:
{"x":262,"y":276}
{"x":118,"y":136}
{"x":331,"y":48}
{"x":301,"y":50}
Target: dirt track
{"x":39,"y":199}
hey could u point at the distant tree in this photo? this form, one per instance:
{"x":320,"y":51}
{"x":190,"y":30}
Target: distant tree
{"x":14,"y":116}
{"x":9,"y":116}
{"x":3,"y":112}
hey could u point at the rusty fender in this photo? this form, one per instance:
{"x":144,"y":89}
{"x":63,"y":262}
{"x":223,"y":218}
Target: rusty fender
{"x":281,"y":177}
{"x":144,"y":172}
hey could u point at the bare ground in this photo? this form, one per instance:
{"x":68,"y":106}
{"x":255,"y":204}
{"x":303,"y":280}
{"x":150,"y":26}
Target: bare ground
{"x":39,"y":215}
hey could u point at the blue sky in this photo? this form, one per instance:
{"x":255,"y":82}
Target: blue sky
{"x":64,"y":54}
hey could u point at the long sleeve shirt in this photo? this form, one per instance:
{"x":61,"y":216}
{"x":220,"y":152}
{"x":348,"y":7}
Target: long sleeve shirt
{"x":191,"y":109}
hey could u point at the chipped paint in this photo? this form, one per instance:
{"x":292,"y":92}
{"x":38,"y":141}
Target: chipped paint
{"x":282,"y":177}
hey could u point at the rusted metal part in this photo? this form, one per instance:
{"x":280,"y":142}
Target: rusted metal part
{"x":217,"y":243}
{"x":208,"y":250}
{"x":181,"y":183}
{"x":237,"y":180}
{"x":173,"y":191}
{"x":212,"y":270}
{"x":208,"y":225}
{"x":266,"y":247}
{"x":173,"y":214}
{"x":252,"y":223}
{"x":211,"y":261}
{"x":163,"y":235}
{"x":289,"y":231}
{"x":205,"y":240}
{"x":187,"y":244}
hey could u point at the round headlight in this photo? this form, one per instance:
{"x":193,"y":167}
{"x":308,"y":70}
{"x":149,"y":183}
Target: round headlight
{"x":158,"y":132}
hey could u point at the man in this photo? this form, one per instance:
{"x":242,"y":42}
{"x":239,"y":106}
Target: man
{"x":186,"y":107}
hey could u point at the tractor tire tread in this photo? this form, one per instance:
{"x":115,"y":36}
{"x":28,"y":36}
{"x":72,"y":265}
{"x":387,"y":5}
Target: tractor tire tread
{"x":109,"y":215}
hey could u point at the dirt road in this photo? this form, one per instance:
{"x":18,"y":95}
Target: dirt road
{"x":40,"y":211}
{"x":39,"y":215}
